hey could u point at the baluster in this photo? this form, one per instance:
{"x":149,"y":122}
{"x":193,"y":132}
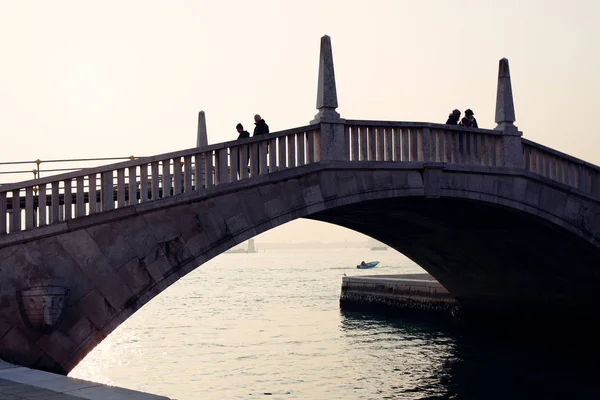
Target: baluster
{"x":177,"y":178}
{"x":494,"y":151}
{"x":546,"y":165}
{"x":254,"y":155}
{"x":364,"y":143}
{"x":243,"y":157}
{"x":80,"y":197}
{"x":354,"y":143}
{"x":155,"y":184}
{"x":221,"y":173}
{"x":291,"y":145}
{"x":414,"y":145}
{"x":405,"y":148}
{"x":166,"y":178}
{"x":300,"y":150}
{"x":42,"y":219}
{"x":187,"y":174}
{"x":527,"y":158}
{"x":55,"y":206}
{"x":29,"y":215}
{"x":199,"y":165}
{"x":208,"y":168}
{"x":372,"y":138}
{"x":121,"y":187}
{"x":486,"y":150}
{"x":144,"y":183}
{"x":235,"y":166}
{"x":388,"y":144}
{"x":132,"y":185}
{"x":583,"y":178}
{"x":15,"y":225}
{"x":264,"y":153}
{"x":448,"y":147}
{"x":68,"y":196}
{"x":471,"y":148}
{"x":108,"y":196}
{"x":380,"y":136}
{"x":396,"y":138}
{"x":463,"y":148}
{"x":281,"y":152}
{"x":3,"y":212}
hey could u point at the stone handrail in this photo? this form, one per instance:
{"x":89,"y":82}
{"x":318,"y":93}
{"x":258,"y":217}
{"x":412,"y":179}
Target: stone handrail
{"x":63,"y":197}
{"x":561,"y":167}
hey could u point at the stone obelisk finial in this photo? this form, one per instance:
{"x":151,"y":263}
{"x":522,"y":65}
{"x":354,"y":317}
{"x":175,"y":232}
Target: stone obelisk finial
{"x":202,"y":138}
{"x":326,"y":91}
{"x":505,"y":109}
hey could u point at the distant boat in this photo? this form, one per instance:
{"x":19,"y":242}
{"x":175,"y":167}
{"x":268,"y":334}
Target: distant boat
{"x":367,"y":265}
{"x":379,"y":248}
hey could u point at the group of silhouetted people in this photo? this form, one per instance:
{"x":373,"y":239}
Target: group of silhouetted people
{"x":468,"y":120}
{"x":261,"y":128}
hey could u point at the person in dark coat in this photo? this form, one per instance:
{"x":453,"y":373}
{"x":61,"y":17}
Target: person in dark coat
{"x":469,"y":121}
{"x":242,"y":133}
{"x":453,"y":118}
{"x":261,"y":127}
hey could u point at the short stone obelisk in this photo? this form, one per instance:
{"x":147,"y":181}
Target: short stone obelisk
{"x":505,"y":108}
{"x":202,"y":137}
{"x":512,"y":147}
{"x":326,"y":90}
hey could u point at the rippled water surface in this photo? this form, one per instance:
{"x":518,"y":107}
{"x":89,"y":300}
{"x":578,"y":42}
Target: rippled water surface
{"x":268,"y":325}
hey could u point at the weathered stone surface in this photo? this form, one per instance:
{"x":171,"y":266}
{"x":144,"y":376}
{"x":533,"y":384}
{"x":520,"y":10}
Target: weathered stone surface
{"x":484,"y":234}
{"x":112,"y":244}
{"x":96,"y":267}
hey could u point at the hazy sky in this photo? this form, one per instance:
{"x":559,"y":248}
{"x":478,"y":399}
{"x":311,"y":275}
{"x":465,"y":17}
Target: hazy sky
{"x":115,"y":78}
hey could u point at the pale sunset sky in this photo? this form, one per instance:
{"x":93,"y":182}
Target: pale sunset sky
{"x":116,"y":78}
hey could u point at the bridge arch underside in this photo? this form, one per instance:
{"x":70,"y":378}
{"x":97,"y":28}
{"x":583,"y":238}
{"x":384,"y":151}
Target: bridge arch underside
{"x":497,"y":261}
{"x":495,"y":240}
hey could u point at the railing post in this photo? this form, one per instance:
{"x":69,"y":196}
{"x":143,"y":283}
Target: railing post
{"x":505,"y":117}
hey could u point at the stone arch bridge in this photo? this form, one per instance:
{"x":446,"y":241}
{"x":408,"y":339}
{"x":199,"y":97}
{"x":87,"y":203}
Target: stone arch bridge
{"x":503,"y":223}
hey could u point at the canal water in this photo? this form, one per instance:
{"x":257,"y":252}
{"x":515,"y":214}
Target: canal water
{"x":268,"y":325}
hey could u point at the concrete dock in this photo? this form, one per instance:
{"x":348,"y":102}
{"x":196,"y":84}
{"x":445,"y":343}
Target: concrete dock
{"x":408,"y":294}
{"x":20,"y":383}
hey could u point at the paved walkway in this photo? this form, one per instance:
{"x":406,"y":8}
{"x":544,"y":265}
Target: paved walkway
{"x":20,"y":383}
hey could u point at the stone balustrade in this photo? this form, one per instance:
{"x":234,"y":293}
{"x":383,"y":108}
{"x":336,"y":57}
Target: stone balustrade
{"x":561,"y":167}
{"x":63,"y":197}
{"x":414,"y":141}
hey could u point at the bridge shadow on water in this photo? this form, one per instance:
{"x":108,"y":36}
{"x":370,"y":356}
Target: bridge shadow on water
{"x":421,"y":359}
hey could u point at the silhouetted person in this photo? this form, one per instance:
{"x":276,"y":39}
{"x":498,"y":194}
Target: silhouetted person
{"x":453,"y":118}
{"x":261,"y":127}
{"x":469,"y":121}
{"x":242,"y":133}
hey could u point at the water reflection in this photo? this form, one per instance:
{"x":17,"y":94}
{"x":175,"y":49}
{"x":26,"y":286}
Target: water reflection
{"x":414,"y":359}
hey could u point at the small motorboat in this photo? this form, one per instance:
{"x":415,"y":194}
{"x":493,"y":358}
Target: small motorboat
{"x":364,"y":265}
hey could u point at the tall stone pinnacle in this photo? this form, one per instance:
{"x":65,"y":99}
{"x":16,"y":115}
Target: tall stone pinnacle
{"x":505,"y":109}
{"x":326,"y":90}
{"x":202,"y":138}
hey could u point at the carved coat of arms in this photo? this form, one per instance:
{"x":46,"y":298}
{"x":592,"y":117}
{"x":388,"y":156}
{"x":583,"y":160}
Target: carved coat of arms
{"x":42,"y":304}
